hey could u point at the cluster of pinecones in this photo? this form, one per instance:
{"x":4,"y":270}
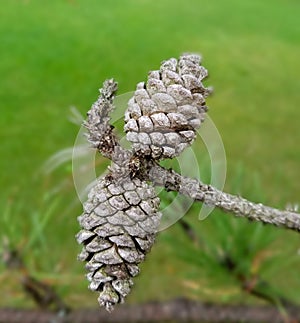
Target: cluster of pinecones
{"x":121,"y":216}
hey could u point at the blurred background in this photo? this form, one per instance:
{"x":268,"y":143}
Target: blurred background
{"x":56,"y":54}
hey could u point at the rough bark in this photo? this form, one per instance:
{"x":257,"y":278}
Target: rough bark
{"x":209,"y":195}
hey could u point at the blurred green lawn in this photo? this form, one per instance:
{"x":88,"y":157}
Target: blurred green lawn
{"x":56,"y":54}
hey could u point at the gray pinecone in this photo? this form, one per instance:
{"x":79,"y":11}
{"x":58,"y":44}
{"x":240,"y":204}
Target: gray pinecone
{"x":121,"y":217}
{"x":163,"y":115}
{"x":119,"y":224}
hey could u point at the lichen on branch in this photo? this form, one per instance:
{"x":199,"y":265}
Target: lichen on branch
{"x":211,"y":196}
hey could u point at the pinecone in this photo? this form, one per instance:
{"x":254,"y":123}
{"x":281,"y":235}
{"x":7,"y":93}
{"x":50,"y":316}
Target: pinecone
{"x":121,"y":217}
{"x":119,"y":224}
{"x":163,"y":115}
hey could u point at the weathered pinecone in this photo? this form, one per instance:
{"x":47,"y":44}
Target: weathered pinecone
{"x":119,"y":224}
{"x":163,"y":115}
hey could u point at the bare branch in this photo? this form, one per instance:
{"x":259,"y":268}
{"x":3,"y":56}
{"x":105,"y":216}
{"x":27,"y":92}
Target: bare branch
{"x":177,"y":311}
{"x":209,"y":195}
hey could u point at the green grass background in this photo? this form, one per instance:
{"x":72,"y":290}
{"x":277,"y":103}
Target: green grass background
{"x":56,"y":54}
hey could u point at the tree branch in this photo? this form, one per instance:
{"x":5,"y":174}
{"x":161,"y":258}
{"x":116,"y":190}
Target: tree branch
{"x":209,"y":195}
{"x":177,"y":311}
